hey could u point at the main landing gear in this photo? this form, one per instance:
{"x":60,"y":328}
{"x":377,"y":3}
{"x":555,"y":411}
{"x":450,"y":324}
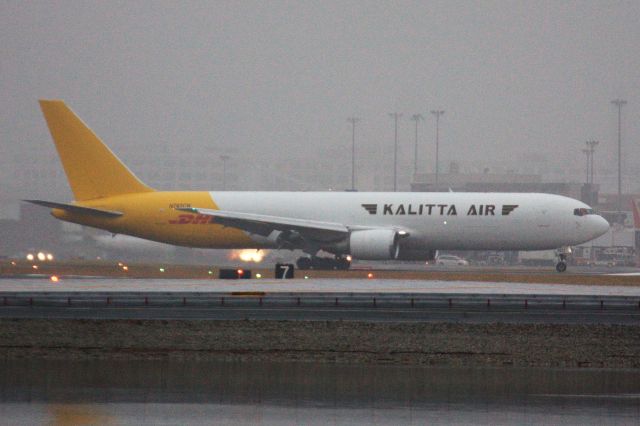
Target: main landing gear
{"x":324,"y":263}
{"x":563,"y":252}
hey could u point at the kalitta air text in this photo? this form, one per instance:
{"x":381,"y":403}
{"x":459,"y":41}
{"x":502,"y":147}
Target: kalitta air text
{"x":437,"y":209}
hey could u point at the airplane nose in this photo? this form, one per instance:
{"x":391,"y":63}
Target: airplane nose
{"x":600,"y":226}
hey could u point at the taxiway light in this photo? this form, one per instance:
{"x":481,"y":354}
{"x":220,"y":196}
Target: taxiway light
{"x":210,"y":272}
{"x":30,"y":257}
{"x":161,"y":269}
{"x":54,"y":278}
{"x":306,"y":277}
{"x":369,"y":275}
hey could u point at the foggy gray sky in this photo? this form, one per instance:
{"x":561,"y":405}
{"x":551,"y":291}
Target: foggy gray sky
{"x":275,"y":79}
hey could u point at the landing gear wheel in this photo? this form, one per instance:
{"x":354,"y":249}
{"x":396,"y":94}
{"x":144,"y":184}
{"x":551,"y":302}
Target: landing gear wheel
{"x":562,"y":253}
{"x":342,"y":264}
{"x":304,"y":263}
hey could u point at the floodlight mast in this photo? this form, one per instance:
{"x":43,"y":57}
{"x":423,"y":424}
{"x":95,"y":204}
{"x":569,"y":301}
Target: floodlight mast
{"x":592,"y":148}
{"x":396,"y":116}
{"x":619,"y":103}
{"x":417,"y":118}
{"x":588,"y":154}
{"x":437,"y":114}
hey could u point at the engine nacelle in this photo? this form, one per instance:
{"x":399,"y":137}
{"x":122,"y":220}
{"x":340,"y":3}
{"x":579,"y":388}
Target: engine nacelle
{"x":374,"y":244}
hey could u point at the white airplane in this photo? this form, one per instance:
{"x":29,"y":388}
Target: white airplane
{"x":358,"y":225}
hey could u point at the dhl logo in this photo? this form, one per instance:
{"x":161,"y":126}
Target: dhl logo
{"x":192,"y":219}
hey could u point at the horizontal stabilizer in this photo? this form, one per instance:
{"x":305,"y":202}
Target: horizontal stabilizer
{"x":74,"y":208}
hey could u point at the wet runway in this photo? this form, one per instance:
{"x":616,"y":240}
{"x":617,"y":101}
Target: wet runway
{"x":264,"y":393}
{"x":310,"y":285}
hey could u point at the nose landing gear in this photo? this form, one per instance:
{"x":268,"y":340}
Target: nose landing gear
{"x":562,"y":252}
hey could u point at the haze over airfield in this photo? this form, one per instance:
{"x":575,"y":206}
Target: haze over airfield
{"x":271,"y":84}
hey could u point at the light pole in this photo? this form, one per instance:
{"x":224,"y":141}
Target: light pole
{"x":437,"y":113}
{"x":592,"y":149}
{"x":417,"y":118}
{"x":587,"y":153}
{"x":353,"y":121}
{"x":396,"y":116}
{"x":619,"y":103}
{"x":224,"y":159}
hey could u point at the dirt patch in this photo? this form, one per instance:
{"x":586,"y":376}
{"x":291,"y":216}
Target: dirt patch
{"x":524,"y":345}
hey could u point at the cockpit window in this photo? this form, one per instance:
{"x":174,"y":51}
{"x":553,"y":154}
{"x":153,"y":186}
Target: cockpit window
{"x":582,"y":212}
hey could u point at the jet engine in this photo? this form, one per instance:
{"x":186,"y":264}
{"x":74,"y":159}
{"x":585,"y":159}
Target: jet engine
{"x":374,"y":244}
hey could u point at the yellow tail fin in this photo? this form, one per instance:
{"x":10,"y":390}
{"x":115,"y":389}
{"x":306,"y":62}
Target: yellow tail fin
{"x":92,"y":169}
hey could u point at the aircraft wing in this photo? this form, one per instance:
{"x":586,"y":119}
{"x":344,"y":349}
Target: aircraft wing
{"x":265,"y":224}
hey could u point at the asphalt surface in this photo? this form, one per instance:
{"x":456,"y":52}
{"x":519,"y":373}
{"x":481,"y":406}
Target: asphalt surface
{"x":326,"y":285}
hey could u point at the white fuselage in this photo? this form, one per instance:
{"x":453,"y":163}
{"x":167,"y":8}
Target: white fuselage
{"x":439,"y":220}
